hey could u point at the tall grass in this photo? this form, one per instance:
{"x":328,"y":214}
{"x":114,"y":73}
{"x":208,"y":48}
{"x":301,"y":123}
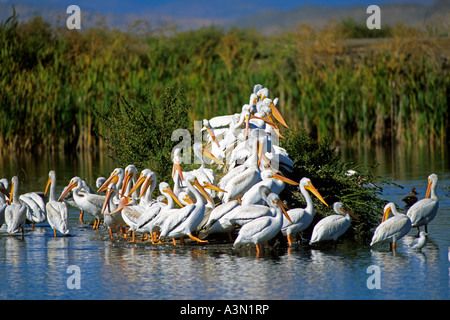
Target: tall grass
{"x":53,"y":81}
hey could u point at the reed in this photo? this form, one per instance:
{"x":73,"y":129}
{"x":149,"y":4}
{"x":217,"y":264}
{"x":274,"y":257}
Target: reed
{"x":53,"y":81}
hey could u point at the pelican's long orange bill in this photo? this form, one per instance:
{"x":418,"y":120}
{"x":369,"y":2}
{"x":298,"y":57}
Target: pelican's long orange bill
{"x":285,"y":179}
{"x":124,"y":201}
{"x":177,"y":167}
{"x":314,"y":191}
{"x":279,"y":203}
{"x":67,"y":190}
{"x":112,"y":178}
{"x":49,"y":181}
{"x":213,"y":136}
{"x":174,"y":197}
{"x":350,"y":213}
{"x":427,"y":195}
{"x":137,"y":185}
{"x":278,"y":115}
{"x":386,"y":214}
{"x":203,"y":191}
{"x":213,"y":187}
{"x":211,"y":156}
{"x":105,"y":204}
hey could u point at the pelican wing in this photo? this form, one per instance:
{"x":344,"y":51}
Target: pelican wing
{"x":330,"y":228}
{"x":58,"y":216}
{"x":250,"y":231}
{"x":175,"y":219}
{"x":244,"y":214}
{"x":423,"y":211}
{"x":396,"y":226}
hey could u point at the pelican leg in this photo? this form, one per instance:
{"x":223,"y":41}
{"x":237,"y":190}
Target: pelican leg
{"x":133,"y":239}
{"x":257,"y":250}
{"x":197,"y":239}
{"x":289,"y":240}
{"x":54,"y":232}
{"x":81,"y":216}
{"x":174,"y":242}
{"x":393,"y":246}
{"x":110,"y":232}
{"x":230,"y":237}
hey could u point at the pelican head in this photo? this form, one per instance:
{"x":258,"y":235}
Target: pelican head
{"x":274,"y":200}
{"x":432,"y":181}
{"x":306,"y":184}
{"x":338,"y":207}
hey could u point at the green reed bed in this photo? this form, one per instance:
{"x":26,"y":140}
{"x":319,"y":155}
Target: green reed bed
{"x":53,"y":80}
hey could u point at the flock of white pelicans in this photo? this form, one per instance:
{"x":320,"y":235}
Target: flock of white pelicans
{"x":246,"y":198}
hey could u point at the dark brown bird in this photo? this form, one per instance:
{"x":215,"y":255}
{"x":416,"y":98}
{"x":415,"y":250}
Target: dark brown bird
{"x":411,"y":198}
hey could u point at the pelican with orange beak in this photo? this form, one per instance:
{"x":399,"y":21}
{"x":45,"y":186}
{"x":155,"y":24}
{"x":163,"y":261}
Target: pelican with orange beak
{"x":393,"y":229}
{"x":16,"y":211}
{"x":332,"y":227}
{"x":87,"y":202}
{"x":423,"y":212}
{"x":301,"y":218}
{"x":57,"y":212}
{"x":261,"y":230}
{"x":184,"y":221}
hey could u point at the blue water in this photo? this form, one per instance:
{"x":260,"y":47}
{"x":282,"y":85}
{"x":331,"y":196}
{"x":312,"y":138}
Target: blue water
{"x":36,"y":267}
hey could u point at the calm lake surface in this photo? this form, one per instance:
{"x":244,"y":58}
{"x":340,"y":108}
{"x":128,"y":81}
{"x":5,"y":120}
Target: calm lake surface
{"x":36,"y":267}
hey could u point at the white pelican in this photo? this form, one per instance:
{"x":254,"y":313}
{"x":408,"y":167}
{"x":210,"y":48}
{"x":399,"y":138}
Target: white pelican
{"x":186,"y":219}
{"x":301,"y":218}
{"x":116,"y":177}
{"x":35,"y":206}
{"x":68,"y":198}
{"x":273,"y":181}
{"x":157,"y":213}
{"x":332,"y":227}
{"x":16,"y":212}
{"x":129,"y":181}
{"x":393,"y":229}
{"x":238,"y":185}
{"x":88,"y":202}
{"x":217,"y":223}
{"x":99,"y":181}
{"x":422,"y":212}
{"x":419,"y":243}
{"x":264,"y":228}
{"x":112,"y":220}
{"x":57,"y":212}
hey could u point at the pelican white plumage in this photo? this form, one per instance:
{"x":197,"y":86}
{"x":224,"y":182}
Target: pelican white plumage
{"x":57,"y":212}
{"x":332,"y":227}
{"x":262,"y":229}
{"x":393,"y":229}
{"x":68,"y":198}
{"x":158,"y":213}
{"x":423,"y":212}
{"x":186,"y":219}
{"x":113,"y":220}
{"x":217,"y":221}
{"x":35,"y":203}
{"x":16,"y":211}
{"x":88,"y":202}
{"x":271,"y":180}
{"x":238,"y":185}
{"x":301,"y":218}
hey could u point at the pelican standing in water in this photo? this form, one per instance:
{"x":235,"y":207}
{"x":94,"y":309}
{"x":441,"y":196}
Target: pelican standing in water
{"x":332,"y":227}
{"x":187,"y":219}
{"x":16,"y":212}
{"x":112,"y":220}
{"x":88,"y":202}
{"x":57,"y":212}
{"x":393,"y":229}
{"x":262,"y":229}
{"x":301,"y":218}
{"x":422,"y":212}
